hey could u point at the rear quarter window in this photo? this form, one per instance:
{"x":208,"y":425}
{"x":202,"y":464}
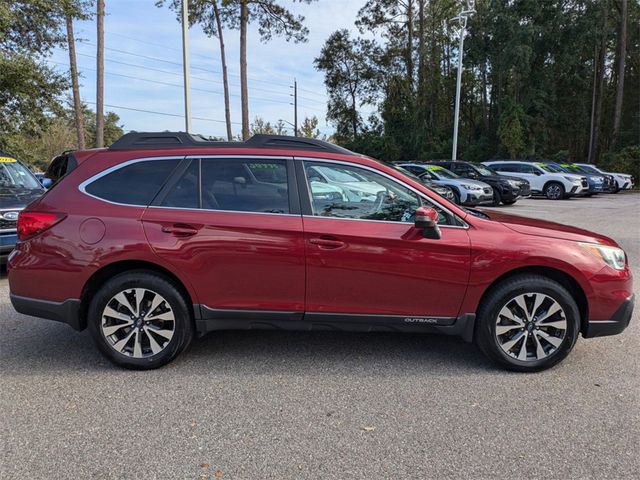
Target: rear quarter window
{"x":134,"y":184}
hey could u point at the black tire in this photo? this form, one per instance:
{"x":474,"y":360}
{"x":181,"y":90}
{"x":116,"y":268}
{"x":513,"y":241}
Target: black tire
{"x":617,"y":187}
{"x":554,"y":191}
{"x":183,"y":326}
{"x":456,"y":196}
{"x":509,"y":202}
{"x":497,"y":198}
{"x":499,"y":297}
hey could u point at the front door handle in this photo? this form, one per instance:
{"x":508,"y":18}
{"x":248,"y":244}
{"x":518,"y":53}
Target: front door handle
{"x":327,"y":243}
{"x":180,"y":230}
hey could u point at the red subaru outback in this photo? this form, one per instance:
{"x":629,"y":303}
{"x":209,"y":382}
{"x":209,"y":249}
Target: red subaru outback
{"x":164,"y":236}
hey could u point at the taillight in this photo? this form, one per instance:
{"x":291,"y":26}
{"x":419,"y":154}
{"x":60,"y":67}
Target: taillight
{"x":33,"y":223}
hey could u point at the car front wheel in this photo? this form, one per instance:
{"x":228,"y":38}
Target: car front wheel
{"x":140,"y":320}
{"x":528,"y":323}
{"x":554,"y":191}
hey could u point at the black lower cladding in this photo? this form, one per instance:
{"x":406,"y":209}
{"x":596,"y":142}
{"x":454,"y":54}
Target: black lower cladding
{"x":67,"y":311}
{"x":208,"y":319}
{"x":615,"y":325}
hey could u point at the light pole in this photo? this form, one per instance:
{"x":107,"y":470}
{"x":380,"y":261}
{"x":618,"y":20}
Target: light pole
{"x":462,"y":23}
{"x":185,"y":65}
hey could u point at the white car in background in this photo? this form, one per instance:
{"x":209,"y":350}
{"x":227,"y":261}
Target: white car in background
{"x":623,"y":181}
{"x":465,"y":191}
{"x":544,"y":179}
{"x":355,"y":187}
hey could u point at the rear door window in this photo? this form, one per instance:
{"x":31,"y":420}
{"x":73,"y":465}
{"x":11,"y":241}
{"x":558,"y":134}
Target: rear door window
{"x":245,"y":185}
{"x":134,"y":184}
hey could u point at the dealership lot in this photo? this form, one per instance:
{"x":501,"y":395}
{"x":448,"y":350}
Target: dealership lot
{"x":326,"y":405}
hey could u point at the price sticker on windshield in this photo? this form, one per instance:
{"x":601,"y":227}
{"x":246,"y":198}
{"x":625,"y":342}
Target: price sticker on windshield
{"x":435,"y":168}
{"x":7,"y":160}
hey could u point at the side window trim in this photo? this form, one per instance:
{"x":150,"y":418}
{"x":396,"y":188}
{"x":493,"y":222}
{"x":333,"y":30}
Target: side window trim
{"x":307,"y":210}
{"x":83,"y":186}
{"x":174,"y":178}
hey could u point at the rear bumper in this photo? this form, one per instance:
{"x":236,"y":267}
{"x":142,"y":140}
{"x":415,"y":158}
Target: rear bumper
{"x":616,"y":324}
{"x":66,"y":312}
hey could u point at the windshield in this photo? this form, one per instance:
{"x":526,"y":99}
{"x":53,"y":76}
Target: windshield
{"x":441,"y":172}
{"x":483,"y":170}
{"x":569,"y":167}
{"x":406,"y":172}
{"x":339,"y":175}
{"x":548,"y":168}
{"x":589,"y":169}
{"x":14,"y":175}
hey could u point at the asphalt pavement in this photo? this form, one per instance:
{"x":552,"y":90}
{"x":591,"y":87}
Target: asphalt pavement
{"x":269,"y":405}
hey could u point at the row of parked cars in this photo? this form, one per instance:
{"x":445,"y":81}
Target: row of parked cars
{"x":505,"y":181}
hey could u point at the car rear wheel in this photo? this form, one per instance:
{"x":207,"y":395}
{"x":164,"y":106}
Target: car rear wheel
{"x":456,"y":196}
{"x":509,"y":202}
{"x":497,"y":198}
{"x":554,"y":191}
{"x":140,"y":320}
{"x":528,"y":323}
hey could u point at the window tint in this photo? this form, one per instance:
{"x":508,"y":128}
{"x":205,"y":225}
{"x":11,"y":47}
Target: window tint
{"x":245,"y":185}
{"x":135,"y":184}
{"x":509,"y":167}
{"x":358,"y":193}
{"x":185,"y":193}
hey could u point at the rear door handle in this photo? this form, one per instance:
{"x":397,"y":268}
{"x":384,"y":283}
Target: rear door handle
{"x":327,"y":243}
{"x":180,"y":230}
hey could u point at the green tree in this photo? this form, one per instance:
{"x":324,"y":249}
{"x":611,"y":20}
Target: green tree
{"x":510,"y":130}
{"x":309,"y":128}
{"x":29,"y":90}
{"x":351,"y":78}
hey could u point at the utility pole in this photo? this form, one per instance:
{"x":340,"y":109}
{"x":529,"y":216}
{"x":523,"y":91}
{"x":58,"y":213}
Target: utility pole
{"x":185,"y":65}
{"x":462,"y":23}
{"x":295,"y":107}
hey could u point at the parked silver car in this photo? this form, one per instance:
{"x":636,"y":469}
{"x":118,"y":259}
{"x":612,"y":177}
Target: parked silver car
{"x":465,"y":191}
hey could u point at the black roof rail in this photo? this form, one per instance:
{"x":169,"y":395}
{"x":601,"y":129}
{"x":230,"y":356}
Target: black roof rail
{"x":142,"y":140}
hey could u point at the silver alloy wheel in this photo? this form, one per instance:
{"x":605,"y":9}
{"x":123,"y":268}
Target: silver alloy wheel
{"x":138,"y":323}
{"x":531,"y":327}
{"x":554,"y":192}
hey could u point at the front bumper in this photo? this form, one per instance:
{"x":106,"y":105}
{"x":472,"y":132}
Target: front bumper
{"x":618,"y":322}
{"x":66,"y":312}
{"x":7,"y":243}
{"x":478,"y":197}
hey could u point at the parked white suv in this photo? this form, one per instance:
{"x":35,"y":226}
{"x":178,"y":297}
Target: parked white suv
{"x":544,"y":179}
{"x":623,"y":181}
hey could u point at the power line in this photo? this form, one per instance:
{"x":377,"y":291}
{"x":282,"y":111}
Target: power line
{"x":161,"y":113}
{"x":258,"y":89}
{"x":159,"y":82}
{"x":201,"y":56}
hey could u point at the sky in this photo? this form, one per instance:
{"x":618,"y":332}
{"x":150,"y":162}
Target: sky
{"x":143,"y":67}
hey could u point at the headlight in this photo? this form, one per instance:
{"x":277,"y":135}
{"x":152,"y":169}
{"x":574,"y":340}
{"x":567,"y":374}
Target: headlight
{"x":574,"y":180}
{"x":612,"y":256}
{"x":513,"y":183}
{"x":470,"y":187}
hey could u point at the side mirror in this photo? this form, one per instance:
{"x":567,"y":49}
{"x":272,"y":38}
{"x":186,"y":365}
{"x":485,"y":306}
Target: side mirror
{"x":46,"y":182}
{"x":471,"y":174}
{"x":426,"y":219}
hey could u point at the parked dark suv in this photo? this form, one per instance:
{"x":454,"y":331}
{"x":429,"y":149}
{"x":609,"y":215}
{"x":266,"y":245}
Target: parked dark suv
{"x":18,"y":187}
{"x":164,"y":236}
{"x":505,"y":190}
